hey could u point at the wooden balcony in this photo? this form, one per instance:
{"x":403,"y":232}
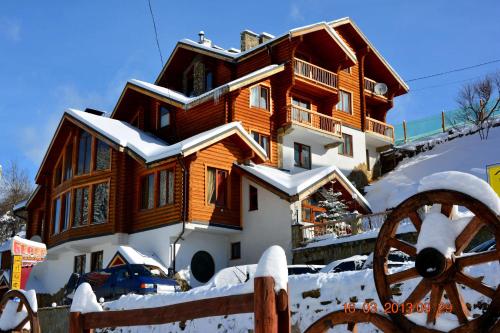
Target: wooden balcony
{"x":370,"y":88}
{"x":380,"y":132}
{"x":315,"y":75}
{"x":297,"y":115}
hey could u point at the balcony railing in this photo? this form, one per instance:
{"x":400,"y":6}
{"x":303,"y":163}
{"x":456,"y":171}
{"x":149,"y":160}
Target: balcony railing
{"x":370,"y":86}
{"x":314,"y":73}
{"x":314,"y":120}
{"x":379,"y":127}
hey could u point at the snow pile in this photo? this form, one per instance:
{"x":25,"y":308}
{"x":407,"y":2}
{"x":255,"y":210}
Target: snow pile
{"x":465,"y":183}
{"x":10,"y":318}
{"x":231,"y":276}
{"x":273,"y":263}
{"x":132,"y":256}
{"x":467,"y":154}
{"x":85,"y":300}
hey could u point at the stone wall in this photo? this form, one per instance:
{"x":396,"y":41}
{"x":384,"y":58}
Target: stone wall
{"x":54,"y":320}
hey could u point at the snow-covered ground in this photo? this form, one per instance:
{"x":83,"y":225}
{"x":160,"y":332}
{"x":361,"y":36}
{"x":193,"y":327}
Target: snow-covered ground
{"x":466,"y":154}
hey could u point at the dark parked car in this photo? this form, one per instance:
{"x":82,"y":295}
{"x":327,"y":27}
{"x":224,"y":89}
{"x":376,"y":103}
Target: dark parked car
{"x":304,"y":269}
{"x":485,"y":246}
{"x":113,"y":282}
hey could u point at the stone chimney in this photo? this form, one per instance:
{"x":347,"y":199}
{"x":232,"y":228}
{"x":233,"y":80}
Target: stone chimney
{"x":264,"y":37}
{"x":249,"y":39}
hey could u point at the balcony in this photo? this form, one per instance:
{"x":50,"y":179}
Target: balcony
{"x":370,"y":89}
{"x":313,"y":125}
{"x":378,"y":133}
{"x":315,"y":76}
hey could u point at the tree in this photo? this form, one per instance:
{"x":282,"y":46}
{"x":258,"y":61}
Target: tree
{"x":14,"y":188}
{"x":336,"y":209}
{"x":478,"y":102}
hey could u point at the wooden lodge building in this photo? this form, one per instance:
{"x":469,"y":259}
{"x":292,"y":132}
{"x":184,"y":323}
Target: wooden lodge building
{"x":214,"y":161}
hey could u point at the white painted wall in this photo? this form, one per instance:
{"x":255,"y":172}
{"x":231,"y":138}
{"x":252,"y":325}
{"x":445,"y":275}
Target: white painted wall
{"x":269,"y":225}
{"x":322,"y":156}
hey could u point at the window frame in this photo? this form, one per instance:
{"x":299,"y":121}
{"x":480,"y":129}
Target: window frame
{"x":253,"y":194}
{"x":235,"y":255}
{"x":299,"y":164}
{"x":350,"y":94}
{"x":94,"y":155}
{"x":167,"y":185}
{"x":89,"y":207}
{"x":92,"y":202}
{"x":93,"y":256}
{"x":160,"y":115}
{"x":56,"y":216}
{"x":151,"y":191}
{"x":216,"y":188}
{"x":89,"y":154}
{"x":261,"y":86}
{"x":84,"y":256}
{"x":259,"y":141}
{"x":341,"y":148}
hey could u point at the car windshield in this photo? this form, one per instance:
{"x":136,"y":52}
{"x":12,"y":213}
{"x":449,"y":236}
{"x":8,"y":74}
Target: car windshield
{"x":146,"y":270}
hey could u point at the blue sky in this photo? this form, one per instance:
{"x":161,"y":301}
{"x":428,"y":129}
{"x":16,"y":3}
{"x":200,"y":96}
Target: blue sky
{"x":60,"y":54}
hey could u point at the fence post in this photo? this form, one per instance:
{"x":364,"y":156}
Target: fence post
{"x":76,"y":323}
{"x":265,"y":314}
{"x":404,"y":129}
{"x":283,"y":304}
{"x":442,"y":121}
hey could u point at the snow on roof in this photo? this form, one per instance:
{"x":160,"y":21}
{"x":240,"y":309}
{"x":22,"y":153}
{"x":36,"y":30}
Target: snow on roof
{"x":149,"y":147}
{"x":132,"y":256}
{"x":20,"y":205}
{"x":189,"y":102}
{"x":293,"y":184}
{"x":7,"y":245}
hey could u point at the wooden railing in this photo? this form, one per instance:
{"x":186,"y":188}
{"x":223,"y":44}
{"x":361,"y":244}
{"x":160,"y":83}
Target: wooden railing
{"x":379,"y":127}
{"x":315,"y":73}
{"x":271,"y":311}
{"x":314,"y":120}
{"x":370,"y":86}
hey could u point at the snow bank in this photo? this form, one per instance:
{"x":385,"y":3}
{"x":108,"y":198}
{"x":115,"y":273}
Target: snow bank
{"x":467,"y":154}
{"x":465,"y":183}
{"x":85,"y":300}
{"x":231,"y":276}
{"x":273,"y":263}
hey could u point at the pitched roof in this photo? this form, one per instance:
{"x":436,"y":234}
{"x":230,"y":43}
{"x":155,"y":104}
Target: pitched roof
{"x":188,"y":102}
{"x":347,"y":20}
{"x":299,"y":183}
{"x":239,"y":56}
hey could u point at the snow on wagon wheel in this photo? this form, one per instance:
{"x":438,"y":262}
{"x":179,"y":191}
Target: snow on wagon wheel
{"x":17,"y":314}
{"x":447,"y":288}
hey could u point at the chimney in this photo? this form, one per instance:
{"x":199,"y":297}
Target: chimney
{"x":264,"y":37}
{"x":94,"y":111}
{"x":249,"y":39}
{"x":203,"y":40}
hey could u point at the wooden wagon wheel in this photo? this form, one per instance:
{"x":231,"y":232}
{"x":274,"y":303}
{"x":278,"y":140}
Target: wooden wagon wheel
{"x":351,"y":319}
{"x":439,"y":275}
{"x":32,"y":316}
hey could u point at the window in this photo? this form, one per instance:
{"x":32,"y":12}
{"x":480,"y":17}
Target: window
{"x":259,"y":97}
{"x":66,"y":210}
{"x":216,"y":186}
{"x":202,"y":266}
{"x":147,"y":191}
{"x":84,"y":150}
{"x":209,"y":79}
{"x":56,"y":214}
{"x":68,"y":162}
{"x":344,"y":103}
{"x":252,"y":195}
{"x":345,"y":148}
{"x":235,"y":250}
{"x":102,"y":156}
{"x":347,"y":70}
{"x":166,"y":185}
{"x":96,"y":261}
{"x":299,"y":112}
{"x":81,"y":212}
{"x":302,"y":155}
{"x":79,"y":266}
{"x":164,"y":117}
{"x":58,"y":174}
{"x":100,"y":203}
{"x":262,"y":140}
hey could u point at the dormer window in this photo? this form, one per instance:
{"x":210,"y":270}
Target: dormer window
{"x":164,"y":117}
{"x":259,"y":97}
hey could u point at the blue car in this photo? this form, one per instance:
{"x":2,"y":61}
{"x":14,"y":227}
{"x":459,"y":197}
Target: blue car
{"x":113,"y":282}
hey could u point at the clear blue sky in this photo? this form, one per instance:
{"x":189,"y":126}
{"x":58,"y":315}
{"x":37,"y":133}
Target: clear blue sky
{"x":60,"y":54}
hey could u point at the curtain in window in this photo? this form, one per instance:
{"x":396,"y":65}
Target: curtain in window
{"x":254,"y":96}
{"x":264,"y":98}
{"x":210,"y":185}
{"x":306,"y":157}
{"x":170,"y":196}
{"x":221,"y":188}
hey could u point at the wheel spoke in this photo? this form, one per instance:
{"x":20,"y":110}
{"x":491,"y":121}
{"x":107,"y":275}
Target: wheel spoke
{"x":457,"y":302}
{"x":416,"y":220}
{"x":479,"y":258}
{"x":353,"y":327}
{"x":422,"y":289}
{"x":446,"y":209}
{"x":402,"y":246}
{"x":466,"y":236}
{"x":475,"y":284}
{"x":402,"y":276}
{"x":436,"y":297}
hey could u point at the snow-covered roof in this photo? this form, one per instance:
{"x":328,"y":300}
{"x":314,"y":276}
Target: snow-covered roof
{"x":233,"y":56}
{"x":189,"y":102}
{"x":152,"y":149}
{"x":347,"y":20}
{"x":295,"y":184}
{"x":20,"y":205}
{"x":132,"y":256}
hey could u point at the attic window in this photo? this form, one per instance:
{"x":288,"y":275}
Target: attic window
{"x":164,"y":117}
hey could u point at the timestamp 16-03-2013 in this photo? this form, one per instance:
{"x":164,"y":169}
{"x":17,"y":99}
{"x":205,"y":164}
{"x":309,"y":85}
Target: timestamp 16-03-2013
{"x":402,"y":308}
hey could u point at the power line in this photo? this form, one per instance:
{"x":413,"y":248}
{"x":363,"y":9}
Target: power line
{"x":453,"y":70}
{"x":156,"y":32}
{"x":445,"y":84}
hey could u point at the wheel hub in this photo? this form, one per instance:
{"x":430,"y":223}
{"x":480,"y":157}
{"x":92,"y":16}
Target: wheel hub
{"x":430,"y":263}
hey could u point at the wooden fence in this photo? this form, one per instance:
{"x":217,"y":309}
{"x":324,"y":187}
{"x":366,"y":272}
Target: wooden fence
{"x":271,"y":311}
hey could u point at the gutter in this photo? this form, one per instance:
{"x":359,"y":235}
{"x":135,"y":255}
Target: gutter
{"x":184,"y":207}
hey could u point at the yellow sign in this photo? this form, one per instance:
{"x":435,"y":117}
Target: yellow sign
{"x":494,"y":177}
{"x":16,"y":272}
